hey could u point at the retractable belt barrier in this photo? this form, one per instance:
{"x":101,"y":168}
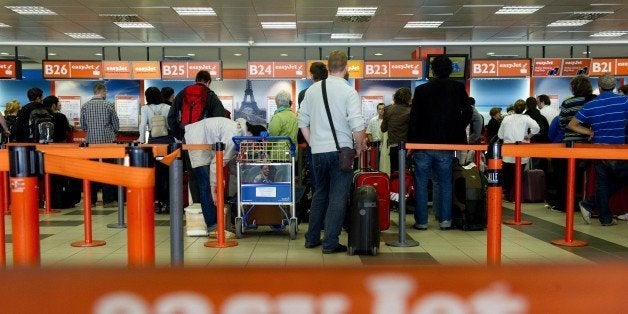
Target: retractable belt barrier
{"x":495,"y":178}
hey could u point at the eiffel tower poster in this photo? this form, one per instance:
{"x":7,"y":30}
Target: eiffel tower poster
{"x":248,"y":107}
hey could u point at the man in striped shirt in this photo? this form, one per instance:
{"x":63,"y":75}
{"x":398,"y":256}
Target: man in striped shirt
{"x":607,"y":116}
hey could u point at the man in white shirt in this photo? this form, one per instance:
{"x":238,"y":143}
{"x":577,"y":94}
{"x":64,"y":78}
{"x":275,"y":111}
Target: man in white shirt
{"x":373,"y":130}
{"x":332,"y":185}
{"x":544,"y":104}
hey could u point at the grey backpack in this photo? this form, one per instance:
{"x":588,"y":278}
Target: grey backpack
{"x":158,"y":126}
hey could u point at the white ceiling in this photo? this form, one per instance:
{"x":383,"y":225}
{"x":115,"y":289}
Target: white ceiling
{"x":237,"y":29}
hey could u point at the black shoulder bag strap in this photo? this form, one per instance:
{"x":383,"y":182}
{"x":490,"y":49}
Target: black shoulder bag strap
{"x":331,"y":122}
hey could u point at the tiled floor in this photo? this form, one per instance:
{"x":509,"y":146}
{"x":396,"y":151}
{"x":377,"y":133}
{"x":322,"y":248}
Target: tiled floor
{"x":520,"y":244}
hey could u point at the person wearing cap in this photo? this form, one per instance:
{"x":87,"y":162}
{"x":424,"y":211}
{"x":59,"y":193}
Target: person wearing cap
{"x":493,"y":125}
{"x":607,"y":116}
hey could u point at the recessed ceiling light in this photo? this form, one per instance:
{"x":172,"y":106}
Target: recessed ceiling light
{"x":423,"y":24}
{"x":586,"y":52}
{"x":115,"y":15}
{"x":283,"y":54}
{"x":4,"y":53}
{"x":84,"y":35}
{"x":378,"y":54}
{"x":237,"y":54}
{"x":566,"y":23}
{"x":197,"y":11}
{"x":4,"y":25}
{"x":191,"y":54}
{"x":52,"y":54}
{"x":609,"y":34}
{"x":346,"y":36}
{"x":519,"y":9}
{"x":356,"y":11}
{"x":98,"y":54}
{"x":279,"y":25}
{"x":134,"y":25}
{"x":31,"y":10}
{"x":490,"y":53}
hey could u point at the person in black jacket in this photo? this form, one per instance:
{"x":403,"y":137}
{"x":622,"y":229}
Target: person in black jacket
{"x":440,"y":114}
{"x":535,"y":114}
{"x":60,"y":121}
{"x":22,"y":126}
{"x":494,"y":123}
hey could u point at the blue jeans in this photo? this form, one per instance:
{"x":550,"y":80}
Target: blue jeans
{"x":439,"y":163}
{"x":331,"y":191}
{"x":207,"y":203}
{"x":609,"y":176}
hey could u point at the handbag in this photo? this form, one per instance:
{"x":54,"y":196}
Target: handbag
{"x":346,"y":154}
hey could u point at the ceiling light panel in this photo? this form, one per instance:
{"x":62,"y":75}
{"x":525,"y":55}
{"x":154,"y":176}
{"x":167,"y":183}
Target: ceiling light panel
{"x":356,"y":11}
{"x":196,"y":11}
{"x":134,"y":25}
{"x":519,"y":9}
{"x":279,"y":25}
{"x":31,"y":10}
{"x":4,"y":25}
{"x":568,"y":23}
{"x":609,"y":34}
{"x":84,"y":35}
{"x":423,"y":24}
{"x":346,"y":36}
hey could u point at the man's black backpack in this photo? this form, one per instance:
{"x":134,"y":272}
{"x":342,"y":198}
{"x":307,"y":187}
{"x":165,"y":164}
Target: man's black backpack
{"x":41,"y":126}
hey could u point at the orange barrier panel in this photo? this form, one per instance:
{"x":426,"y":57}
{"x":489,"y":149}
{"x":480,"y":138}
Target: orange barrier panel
{"x":509,"y":289}
{"x":4,"y":160}
{"x":91,"y":152}
{"x":3,"y":254}
{"x":25,"y":221}
{"x":5,"y":209}
{"x":220,"y":203}
{"x":445,"y":146}
{"x":87,"y":219}
{"x":553,"y":151}
{"x":48,"y":210}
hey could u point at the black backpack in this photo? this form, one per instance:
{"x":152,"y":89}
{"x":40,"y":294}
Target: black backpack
{"x":41,"y":126}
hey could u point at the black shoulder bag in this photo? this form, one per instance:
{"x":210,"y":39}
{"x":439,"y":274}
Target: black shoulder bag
{"x":347,"y":154}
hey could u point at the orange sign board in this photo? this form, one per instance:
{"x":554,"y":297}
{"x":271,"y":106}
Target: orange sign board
{"x":10,"y":69}
{"x":547,"y":67}
{"x":72,"y":69}
{"x":500,"y":68}
{"x":116,"y":70}
{"x":145,"y":70}
{"x":287,"y":70}
{"x":355,"y":67}
{"x":393,"y":69}
{"x":507,"y":289}
{"x":576,"y":66}
{"x":612,"y":66}
{"x":177,"y":70}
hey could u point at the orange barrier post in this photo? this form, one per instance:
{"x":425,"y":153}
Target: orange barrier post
{"x":478,"y":158}
{"x":6,"y":209}
{"x":220,"y":202}
{"x":24,"y":193}
{"x":569,"y":208}
{"x":3,"y":254}
{"x":141,"y":215}
{"x":517,"y":185}
{"x":48,"y":210}
{"x":87,"y":218}
{"x":494,"y":203}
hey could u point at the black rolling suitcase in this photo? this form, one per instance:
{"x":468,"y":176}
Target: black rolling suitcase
{"x":469,"y":199}
{"x":364,"y":225}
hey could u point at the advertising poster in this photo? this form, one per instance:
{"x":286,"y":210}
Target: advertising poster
{"x":128,"y":108}
{"x":271,"y":107}
{"x":71,"y":108}
{"x":369,"y":107}
{"x":227,"y":102}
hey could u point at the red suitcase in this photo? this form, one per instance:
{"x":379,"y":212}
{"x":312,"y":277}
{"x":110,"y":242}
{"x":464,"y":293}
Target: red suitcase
{"x":618,"y":201}
{"x":382,"y":185}
{"x":394,"y":186}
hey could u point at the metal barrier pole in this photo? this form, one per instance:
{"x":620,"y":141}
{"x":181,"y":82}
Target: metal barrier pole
{"x":48,"y":206}
{"x":175,"y":183}
{"x":24,"y":193}
{"x":517,"y":185}
{"x":87,"y":218}
{"x":402,"y":242}
{"x":220,"y":201}
{"x":141,"y":225}
{"x":120,"y":224}
{"x":494,"y":203}
{"x":569,"y":206}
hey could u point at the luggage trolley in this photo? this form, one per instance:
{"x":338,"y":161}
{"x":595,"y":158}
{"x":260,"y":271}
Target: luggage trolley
{"x":265,"y":176}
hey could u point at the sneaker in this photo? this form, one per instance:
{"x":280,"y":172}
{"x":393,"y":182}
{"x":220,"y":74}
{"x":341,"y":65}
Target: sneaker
{"x":586,"y":213}
{"x":611,"y":223}
{"x":338,"y":249}
{"x":623,"y":217}
{"x":110,"y":204}
{"x":420,"y":226}
{"x":445,"y":225}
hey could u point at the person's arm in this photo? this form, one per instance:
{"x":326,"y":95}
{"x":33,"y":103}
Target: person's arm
{"x":303,"y":118}
{"x":384,"y":126}
{"x":305,"y":131}
{"x":576,"y":126}
{"x":477,"y":129}
{"x":501,"y":132}
{"x":274,"y":127}
{"x":113,"y":119}
{"x":3,"y":122}
{"x":359,"y":138}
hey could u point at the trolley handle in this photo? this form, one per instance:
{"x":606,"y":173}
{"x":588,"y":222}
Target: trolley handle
{"x":238,"y":139}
